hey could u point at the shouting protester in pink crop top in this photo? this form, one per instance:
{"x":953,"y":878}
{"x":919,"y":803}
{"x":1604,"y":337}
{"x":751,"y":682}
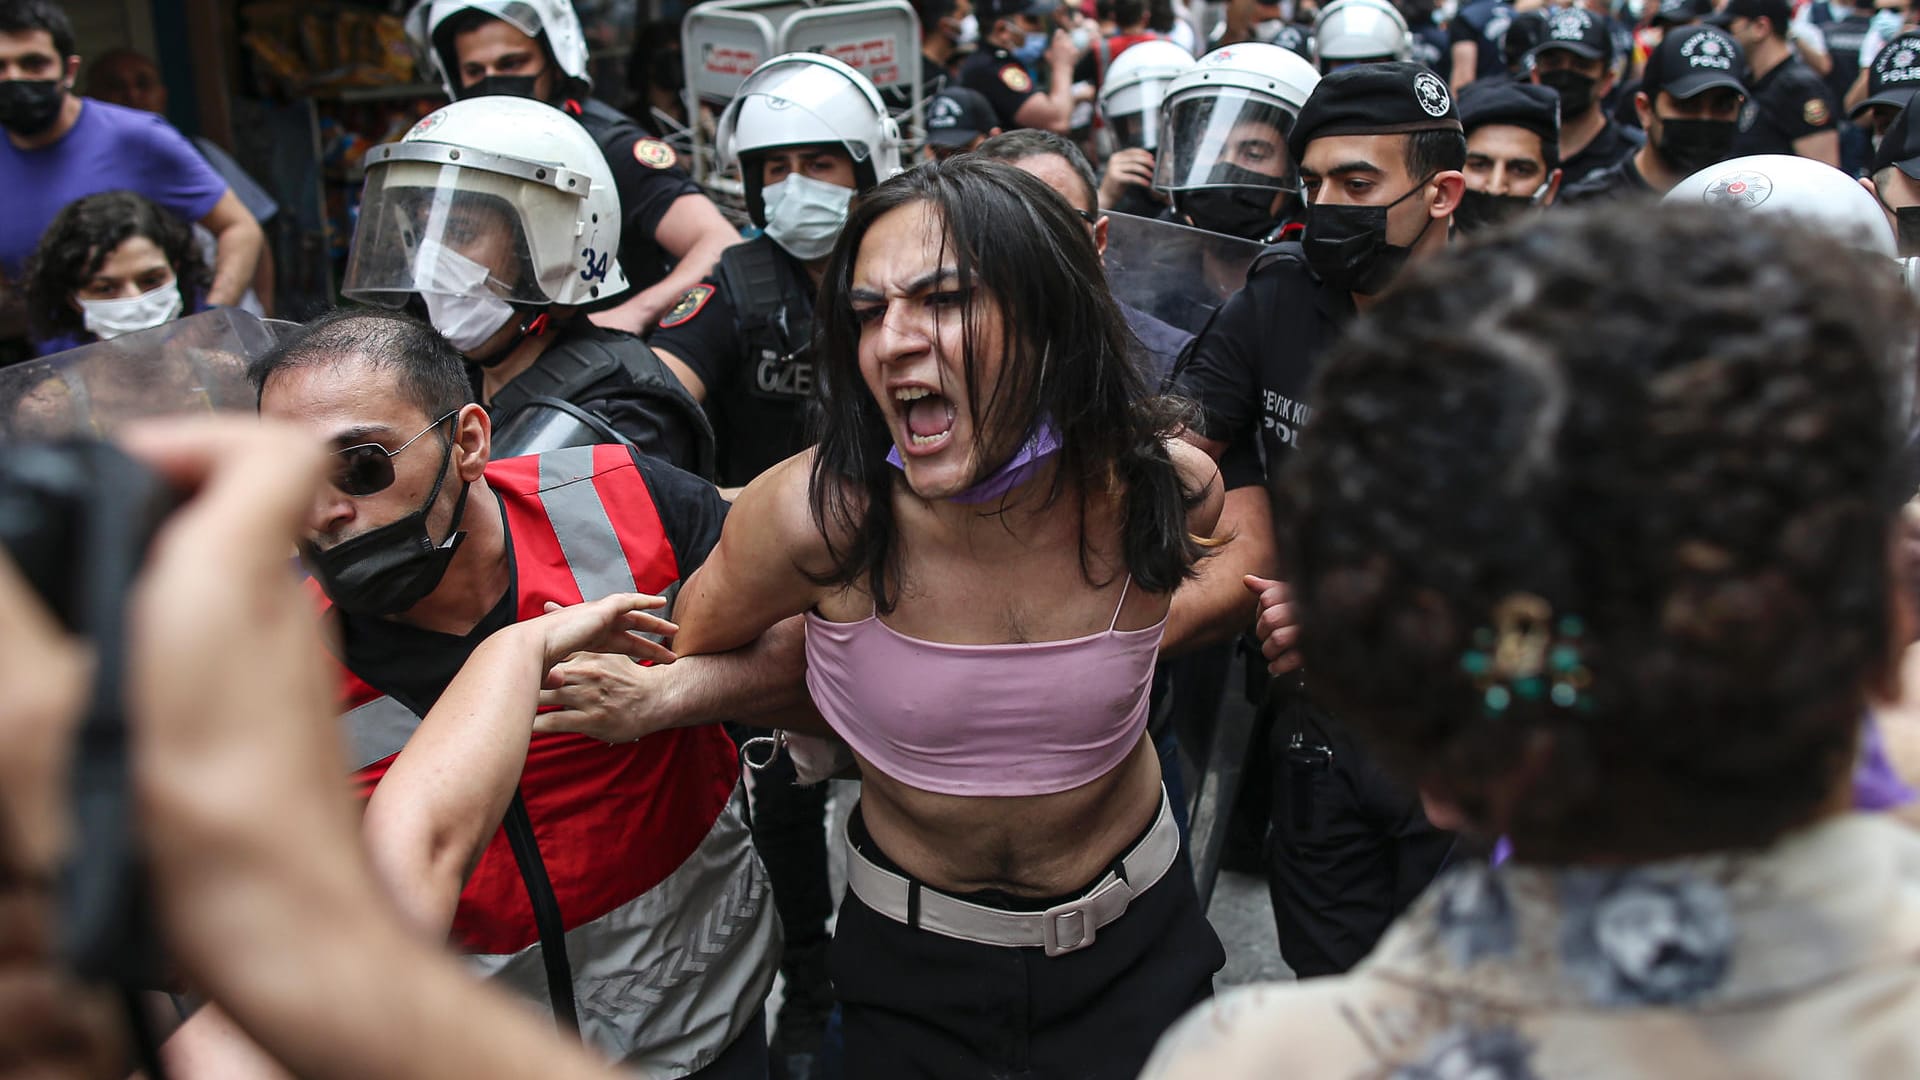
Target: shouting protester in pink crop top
{"x":984,"y":543}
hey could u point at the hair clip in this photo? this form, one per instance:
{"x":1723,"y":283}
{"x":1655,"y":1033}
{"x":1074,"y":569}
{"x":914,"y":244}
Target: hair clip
{"x":1527,"y":655}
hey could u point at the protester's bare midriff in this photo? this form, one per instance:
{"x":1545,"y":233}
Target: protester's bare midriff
{"x":1030,"y":845}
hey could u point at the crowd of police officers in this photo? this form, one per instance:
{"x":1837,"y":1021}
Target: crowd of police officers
{"x":600,"y":296}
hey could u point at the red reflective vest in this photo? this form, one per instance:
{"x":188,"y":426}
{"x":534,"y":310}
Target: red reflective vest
{"x":670,"y":931}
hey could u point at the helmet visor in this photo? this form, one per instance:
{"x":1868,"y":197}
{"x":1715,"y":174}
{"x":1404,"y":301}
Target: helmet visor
{"x":795,"y":103}
{"x":1228,"y":138}
{"x":437,"y":228}
{"x":1133,"y":112}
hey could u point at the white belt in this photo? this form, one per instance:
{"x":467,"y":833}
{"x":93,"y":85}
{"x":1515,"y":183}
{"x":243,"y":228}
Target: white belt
{"x":1060,"y":929}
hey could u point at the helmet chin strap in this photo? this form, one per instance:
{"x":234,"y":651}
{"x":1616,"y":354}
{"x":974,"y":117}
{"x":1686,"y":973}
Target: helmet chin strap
{"x":533,"y":325}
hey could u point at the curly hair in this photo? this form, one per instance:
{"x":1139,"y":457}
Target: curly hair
{"x":1684,"y":431}
{"x":83,"y":234}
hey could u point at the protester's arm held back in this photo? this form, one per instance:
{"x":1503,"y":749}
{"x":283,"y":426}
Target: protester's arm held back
{"x":441,"y":801}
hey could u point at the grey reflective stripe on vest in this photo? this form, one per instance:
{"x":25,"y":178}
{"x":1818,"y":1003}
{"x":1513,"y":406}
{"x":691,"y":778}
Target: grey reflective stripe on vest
{"x":667,"y":980}
{"x":585,"y":531}
{"x":378,"y":730}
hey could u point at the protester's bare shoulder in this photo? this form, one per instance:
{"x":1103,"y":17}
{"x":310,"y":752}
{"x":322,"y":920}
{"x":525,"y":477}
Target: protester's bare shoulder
{"x":777,"y":507}
{"x":1249,"y":1032}
{"x":1199,"y":473}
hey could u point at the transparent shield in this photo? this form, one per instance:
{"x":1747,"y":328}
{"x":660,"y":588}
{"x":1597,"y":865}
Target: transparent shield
{"x":1225,"y":138}
{"x":193,"y":365}
{"x":435,"y":228}
{"x":1177,"y":274}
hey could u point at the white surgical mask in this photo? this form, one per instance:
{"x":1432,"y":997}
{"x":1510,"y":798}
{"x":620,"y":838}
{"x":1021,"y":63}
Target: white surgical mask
{"x":969,"y":33}
{"x":805,"y":216}
{"x":459,"y":304}
{"x":107,"y":319}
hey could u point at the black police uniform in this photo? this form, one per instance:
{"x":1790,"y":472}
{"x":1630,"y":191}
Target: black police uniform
{"x":1845,"y":36}
{"x":648,"y":179}
{"x":1788,"y":103}
{"x":1004,"y":80}
{"x":1607,"y":149}
{"x":1621,"y":180}
{"x":1481,"y":24}
{"x":747,"y":332}
{"x":1431,"y":46}
{"x":1349,"y":849}
{"x":615,"y":376}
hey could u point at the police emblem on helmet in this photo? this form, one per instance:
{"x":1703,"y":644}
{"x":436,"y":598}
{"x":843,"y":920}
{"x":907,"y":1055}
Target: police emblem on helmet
{"x":1742,"y":190}
{"x":1431,"y":93}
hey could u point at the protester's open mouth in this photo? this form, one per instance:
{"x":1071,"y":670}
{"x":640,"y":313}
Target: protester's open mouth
{"x":928,"y":416}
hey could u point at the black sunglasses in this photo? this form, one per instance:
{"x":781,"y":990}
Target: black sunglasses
{"x":367,"y":468}
{"x":1087,"y":216}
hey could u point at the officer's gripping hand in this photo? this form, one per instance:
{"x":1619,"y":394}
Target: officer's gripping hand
{"x":600,"y":692}
{"x":1279,"y":634}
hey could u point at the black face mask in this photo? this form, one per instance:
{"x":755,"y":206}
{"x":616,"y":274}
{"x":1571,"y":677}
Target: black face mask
{"x":28,"y":107}
{"x":387,"y":570}
{"x":1347,"y":245}
{"x":1243,"y":212}
{"x":1575,"y":89}
{"x":505,"y":85}
{"x":1479,"y":211}
{"x":1244,"y":209}
{"x":1906,"y":224}
{"x":1691,"y":145}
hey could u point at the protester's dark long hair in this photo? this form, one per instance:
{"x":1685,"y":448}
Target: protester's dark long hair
{"x":1066,"y":354}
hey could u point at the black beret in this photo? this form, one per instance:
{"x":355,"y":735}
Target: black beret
{"x":1374,"y":99}
{"x":1522,"y":105}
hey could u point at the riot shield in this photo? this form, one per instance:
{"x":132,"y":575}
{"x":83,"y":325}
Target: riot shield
{"x":193,"y":365}
{"x":1176,"y":274}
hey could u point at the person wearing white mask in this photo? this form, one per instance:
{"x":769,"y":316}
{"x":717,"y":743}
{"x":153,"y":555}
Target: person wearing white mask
{"x":808,"y":133}
{"x":497,"y":218}
{"x":110,"y":264}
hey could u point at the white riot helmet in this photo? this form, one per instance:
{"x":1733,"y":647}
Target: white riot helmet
{"x":487,"y":206}
{"x":1818,"y":194}
{"x":1136,"y":83}
{"x":805,"y":99}
{"x":1360,"y":32}
{"x":1226,"y":120}
{"x":431,"y":26}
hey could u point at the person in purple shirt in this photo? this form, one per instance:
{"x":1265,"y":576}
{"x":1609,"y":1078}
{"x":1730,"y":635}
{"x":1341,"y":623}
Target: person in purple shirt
{"x":60,"y":146}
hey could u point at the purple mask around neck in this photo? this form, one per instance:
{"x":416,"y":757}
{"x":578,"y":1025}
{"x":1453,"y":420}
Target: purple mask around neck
{"x":1018,"y":469}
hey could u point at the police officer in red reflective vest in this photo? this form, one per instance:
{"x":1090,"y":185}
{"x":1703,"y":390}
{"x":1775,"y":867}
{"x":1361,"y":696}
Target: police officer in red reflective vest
{"x":637,"y":852}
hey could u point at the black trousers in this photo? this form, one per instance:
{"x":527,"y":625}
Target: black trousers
{"x":1350,"y":847}
{"x":917,"y":1004}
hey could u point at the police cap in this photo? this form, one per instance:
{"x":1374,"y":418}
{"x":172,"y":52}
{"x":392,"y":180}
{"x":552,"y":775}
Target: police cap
{"x":1894,"y":76}
{"x":956,"y":116}
{"x":1900,"y":147}
{"x":1484,"y":102}
{"x":1693,"y":60}
{"x":1578,"y":31}
{"x":1375,"y":99}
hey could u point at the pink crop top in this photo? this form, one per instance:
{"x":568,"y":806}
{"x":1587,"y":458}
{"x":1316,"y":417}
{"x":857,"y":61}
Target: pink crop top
{"x":1030,"y":718}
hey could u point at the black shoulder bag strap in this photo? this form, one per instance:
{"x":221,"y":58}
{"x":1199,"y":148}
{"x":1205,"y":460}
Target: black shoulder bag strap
{"x":546,"y":912}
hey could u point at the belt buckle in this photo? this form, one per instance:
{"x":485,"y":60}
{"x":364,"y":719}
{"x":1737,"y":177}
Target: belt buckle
{"x":1072,"y":921}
